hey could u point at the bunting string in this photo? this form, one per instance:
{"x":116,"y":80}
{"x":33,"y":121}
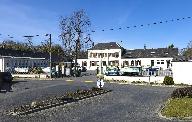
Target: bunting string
{"x":130,"y":27}
{"x":142,"y":25}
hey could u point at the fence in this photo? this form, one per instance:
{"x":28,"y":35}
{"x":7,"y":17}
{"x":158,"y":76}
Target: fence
{"x":157,"y":73}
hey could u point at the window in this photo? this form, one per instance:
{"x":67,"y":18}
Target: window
{"x":138,"y":63}
{"x":90,"y":55}
{"x":84,"y":63}
{"x":162,"y":61}
{"x":132,"y":63}
{"x":92,"y":63}
{"x":104,"y":63}
{"x":152,"y":62}
{"x":116,"y":54}
{"x":126,"y":63}
{"x":102,"y":55}
{"x":94,"y":55}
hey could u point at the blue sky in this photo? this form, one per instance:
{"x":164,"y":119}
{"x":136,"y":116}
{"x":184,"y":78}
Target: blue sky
{"x":24,"y":17}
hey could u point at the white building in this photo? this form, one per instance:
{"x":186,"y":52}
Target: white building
{"x":182,"y":72}
{"x":21,"y":62}
{"x":107,"y":54}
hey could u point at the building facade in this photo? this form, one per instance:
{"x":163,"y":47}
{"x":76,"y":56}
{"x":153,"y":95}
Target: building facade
{"x":112,"y":54}
{"x":7,"y":62}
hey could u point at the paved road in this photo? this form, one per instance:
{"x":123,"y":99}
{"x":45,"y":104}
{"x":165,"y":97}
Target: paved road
{"x":125,"y":103}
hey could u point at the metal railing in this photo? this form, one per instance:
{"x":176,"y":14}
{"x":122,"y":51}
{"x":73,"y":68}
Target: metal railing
{"x":157,"y":73}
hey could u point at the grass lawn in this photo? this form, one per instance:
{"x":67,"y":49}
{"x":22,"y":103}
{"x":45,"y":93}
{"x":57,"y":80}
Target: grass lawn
{"x":178,"y":107}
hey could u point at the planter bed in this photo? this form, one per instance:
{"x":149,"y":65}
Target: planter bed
{"x":57,"y":101}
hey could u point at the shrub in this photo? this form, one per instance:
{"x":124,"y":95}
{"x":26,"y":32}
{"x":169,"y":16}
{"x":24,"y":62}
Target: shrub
{"x":133,"y":82}
{"x":168,"y":80}
{"x":182,"y":92}
{"x":144,"y":82}
{"x":138,"y":82}
{"x":152,"y":83}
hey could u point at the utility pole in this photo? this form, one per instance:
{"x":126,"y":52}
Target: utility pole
{"x":50,"y":54}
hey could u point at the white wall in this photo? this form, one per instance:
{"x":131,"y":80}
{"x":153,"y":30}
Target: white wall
{"x":1,"y":65}
{"x":182,"y":72}
{"x":79,"y":61}
{"x":158,"y":79}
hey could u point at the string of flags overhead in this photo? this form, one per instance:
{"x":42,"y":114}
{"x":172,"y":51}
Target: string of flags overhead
{"x":129,"y":27}
{"x":142,"y":25}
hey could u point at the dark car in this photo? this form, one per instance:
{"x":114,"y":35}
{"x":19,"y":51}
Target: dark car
{"x":83,"y":69}
{"x":5,"y":81}
{"x":5,"y":77}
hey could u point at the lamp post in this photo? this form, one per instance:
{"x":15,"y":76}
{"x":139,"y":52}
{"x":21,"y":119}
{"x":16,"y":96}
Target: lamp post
{"x":50,"y":54}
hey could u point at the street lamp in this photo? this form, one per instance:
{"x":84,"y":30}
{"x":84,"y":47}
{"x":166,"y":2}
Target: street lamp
{"x":50,"y":47}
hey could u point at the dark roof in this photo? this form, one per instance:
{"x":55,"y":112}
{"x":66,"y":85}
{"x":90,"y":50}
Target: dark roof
{"x":19,"y":53}
{"x":103,"y":46}
{"x":151,"y":53}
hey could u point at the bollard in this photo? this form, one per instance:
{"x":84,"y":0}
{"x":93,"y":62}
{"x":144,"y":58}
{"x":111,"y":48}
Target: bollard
{"x":100,"y":82}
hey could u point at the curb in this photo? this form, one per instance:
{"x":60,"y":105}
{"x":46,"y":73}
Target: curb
{"x":175,"y":86}
{"x":40,"y":108}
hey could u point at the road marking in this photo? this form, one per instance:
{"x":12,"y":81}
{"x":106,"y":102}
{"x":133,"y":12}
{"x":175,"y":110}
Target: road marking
{"x":69,"y":80}
{"x":88,"y":81}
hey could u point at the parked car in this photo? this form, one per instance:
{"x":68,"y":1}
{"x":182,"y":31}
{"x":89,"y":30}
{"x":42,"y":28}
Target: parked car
{"x":130,"y":71}
{"x":83,"y":69}
{"x":112,"y":71}
{"x":5,"y":77}
{"x":5,"y":81}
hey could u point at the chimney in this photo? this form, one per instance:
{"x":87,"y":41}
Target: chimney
{"x":145,"y":46}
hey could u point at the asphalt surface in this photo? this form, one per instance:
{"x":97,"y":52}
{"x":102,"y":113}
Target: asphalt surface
{"x":126,"y":103}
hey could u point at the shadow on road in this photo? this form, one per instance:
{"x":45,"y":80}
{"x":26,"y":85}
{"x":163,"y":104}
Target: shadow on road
{"x":18,"y":81}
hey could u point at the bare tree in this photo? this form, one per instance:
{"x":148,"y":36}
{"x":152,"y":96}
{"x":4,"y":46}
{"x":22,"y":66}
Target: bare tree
{"x":188,"y":51}
{"x":74,"y":28}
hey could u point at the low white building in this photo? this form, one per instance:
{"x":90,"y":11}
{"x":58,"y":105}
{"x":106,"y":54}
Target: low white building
{"x":107,"y":54}
{"x":182,"y":72}
{"x":21,"y":62}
